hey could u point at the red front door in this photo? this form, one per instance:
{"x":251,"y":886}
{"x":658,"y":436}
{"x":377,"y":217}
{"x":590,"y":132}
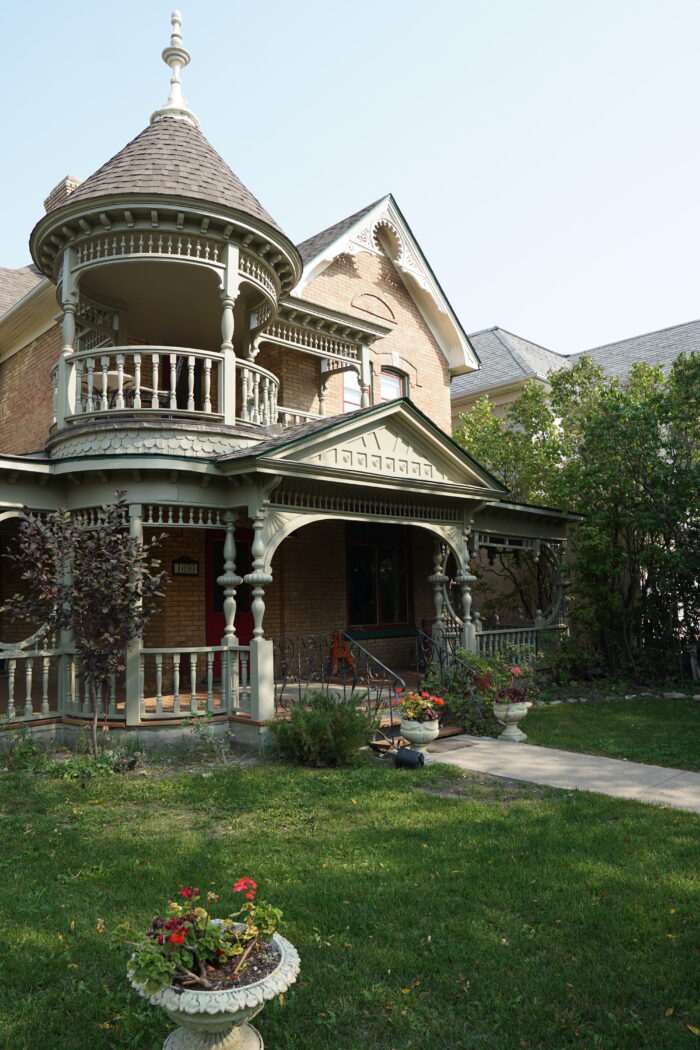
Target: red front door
{"x":215,"y":594}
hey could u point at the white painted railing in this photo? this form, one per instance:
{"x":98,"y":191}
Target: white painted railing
{"x":256,"y":394}
{"x":146,"y":379}
{"x":163,"y":381}
{"x":291,"y":417}
{"x":176,"y":683}
{"x":76,"y":695}
{"x":29,"y":684}
{"x":493,"y":641}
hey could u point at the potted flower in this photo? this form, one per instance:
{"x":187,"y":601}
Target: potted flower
{"x":211,"y":975}
{"x":420,"y":713}
{"x":510,"y":705}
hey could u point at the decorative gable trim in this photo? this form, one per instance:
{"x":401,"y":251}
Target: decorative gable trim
{"x":384,"y":231}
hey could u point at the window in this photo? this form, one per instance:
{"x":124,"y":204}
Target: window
{"x":392,"y":384}
{"x":377,"y":576}
{"x":352,"y":395}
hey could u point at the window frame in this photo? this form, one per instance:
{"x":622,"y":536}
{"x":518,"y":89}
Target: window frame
{"x":395,"y":373}
{"x":379,"y":540}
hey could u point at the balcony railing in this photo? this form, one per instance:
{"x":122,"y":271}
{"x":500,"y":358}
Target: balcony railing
{"x":174,"y":382}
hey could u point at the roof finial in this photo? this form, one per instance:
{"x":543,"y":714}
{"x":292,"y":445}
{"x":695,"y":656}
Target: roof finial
{"x":177,"y":57}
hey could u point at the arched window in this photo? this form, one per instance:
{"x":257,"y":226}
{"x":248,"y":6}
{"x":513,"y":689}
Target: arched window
{"x":392,"y":384}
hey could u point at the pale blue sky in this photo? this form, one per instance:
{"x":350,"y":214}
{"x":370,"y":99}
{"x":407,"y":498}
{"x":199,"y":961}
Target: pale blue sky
{"x":545,"y":153}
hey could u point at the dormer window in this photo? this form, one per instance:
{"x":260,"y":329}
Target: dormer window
{"x":392,"y":384}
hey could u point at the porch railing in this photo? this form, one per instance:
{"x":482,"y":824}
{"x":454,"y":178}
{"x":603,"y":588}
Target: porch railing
{"x":490,"y":642}
{"x":336,"y":662}
{"x":184,"y":681}
{"x":29,"y":684}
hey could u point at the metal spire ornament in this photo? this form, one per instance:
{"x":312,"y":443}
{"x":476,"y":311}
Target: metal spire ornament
{"x":177,"y":57}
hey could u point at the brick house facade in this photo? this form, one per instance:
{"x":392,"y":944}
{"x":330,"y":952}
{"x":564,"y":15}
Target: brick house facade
{"x":279,"y":413}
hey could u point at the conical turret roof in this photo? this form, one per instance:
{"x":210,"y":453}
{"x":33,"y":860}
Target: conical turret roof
{"x":172,"y":157}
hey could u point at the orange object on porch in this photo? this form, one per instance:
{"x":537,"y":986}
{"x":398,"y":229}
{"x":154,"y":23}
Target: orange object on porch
{"x":340,"y":650}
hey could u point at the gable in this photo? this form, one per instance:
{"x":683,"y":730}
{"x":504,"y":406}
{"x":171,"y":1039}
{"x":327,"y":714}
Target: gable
{"x":393,"y":446}
{"x":382,"y":230}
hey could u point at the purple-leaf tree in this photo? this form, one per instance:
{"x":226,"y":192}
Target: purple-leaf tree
{"x":91,"y":578}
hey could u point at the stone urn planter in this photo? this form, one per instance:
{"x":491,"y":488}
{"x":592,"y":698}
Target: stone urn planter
{"x":218,"y":1020}
{"x":510,"y":715}
{"x":419,"y":734}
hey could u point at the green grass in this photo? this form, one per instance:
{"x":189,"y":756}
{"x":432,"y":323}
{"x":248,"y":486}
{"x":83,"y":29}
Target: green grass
{"x":474,"y":914}
{"x":661,"y":732}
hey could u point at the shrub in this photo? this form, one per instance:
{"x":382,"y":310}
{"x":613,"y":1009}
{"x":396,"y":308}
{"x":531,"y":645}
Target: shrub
{"x":22,"y":754}
{"x":324,"y":730}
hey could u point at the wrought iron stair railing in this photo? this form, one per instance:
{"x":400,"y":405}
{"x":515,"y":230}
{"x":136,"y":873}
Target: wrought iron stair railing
{"x":336,"y":662}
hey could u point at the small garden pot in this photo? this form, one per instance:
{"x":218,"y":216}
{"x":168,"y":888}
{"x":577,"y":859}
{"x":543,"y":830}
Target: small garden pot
{"x":510,"y":715}
{"x":219,"y":1020}
{"x":419,"y":734}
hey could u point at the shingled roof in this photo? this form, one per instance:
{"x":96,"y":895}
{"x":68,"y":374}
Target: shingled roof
{"x":14,"y":284}
{"x":655,"y":348}
{"x":505,"y":358}
{"x":172,"y":157}
{"x":313,"y":246}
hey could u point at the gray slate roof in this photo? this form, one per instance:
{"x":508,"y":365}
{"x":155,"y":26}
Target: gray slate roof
{"x":312,"y":247}
{"x":655,"y":348}
{"x":505,"y":358}
{"x":14,"y":284}
{"x":172,"y":157}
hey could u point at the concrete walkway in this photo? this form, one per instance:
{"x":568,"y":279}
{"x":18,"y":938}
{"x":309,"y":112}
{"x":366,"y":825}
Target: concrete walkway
{"x":565,"y":769}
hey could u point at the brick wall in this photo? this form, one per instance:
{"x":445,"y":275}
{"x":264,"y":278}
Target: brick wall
{"x":409,"y":347}
{"x":26,"y":394}
{"x":181,"y":619}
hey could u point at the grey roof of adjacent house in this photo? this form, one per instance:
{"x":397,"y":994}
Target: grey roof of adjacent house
{"x":313,"y":246}
{"x":171,"y":157}
{"x":505,"y":358}
{"x":14,"y":284}
{"x":655,"y":348}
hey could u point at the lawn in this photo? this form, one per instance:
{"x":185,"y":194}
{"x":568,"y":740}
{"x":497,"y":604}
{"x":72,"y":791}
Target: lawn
{"x":432,"y":909}
{"x":648,"y":729}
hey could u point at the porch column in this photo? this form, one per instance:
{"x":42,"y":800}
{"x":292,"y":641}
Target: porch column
{"x":229,"y":581}
{"x":229,"y":294}
{"x":465,"y":581}
{"x":438,"y":580}
{"x":65,"y":378}
{"x":365,"y":377}
{"x":133,"y":650}
{"x":262,"y":682}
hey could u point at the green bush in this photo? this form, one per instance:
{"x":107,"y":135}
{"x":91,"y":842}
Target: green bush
{"x":324,"y":730}
{"x":22,"y":754}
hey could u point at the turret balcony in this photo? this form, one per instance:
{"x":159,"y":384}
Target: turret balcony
{"x":165,"y":382}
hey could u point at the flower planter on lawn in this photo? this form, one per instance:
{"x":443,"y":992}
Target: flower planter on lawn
{"x":218,"y":1020}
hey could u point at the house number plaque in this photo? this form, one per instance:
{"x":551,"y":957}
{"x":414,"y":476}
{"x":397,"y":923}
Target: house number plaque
{"x":185,"y":566}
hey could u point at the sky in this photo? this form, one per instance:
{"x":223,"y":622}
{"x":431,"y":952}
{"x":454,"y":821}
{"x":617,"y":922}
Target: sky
{"x":545,"y":154}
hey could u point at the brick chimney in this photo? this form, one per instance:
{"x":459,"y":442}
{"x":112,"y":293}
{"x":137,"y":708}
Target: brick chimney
{"x":59,"y":194}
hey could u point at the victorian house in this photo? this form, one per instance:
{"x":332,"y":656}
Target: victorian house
{"x":280,"y":413}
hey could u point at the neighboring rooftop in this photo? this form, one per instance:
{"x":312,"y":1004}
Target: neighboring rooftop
{"x":14,"y":284}
{"x":655,"y":348}
{"x":505,"y":358}
{"x":313,"y":246}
